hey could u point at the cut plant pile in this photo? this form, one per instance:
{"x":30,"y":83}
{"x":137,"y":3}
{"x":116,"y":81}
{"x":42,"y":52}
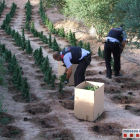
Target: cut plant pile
{"x":90,"y":87}
{"x":36,"y":99}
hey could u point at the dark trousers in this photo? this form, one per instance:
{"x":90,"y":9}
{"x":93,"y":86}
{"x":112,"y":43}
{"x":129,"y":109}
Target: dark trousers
{"x":109,"y":48}
{"x":79,"y":75}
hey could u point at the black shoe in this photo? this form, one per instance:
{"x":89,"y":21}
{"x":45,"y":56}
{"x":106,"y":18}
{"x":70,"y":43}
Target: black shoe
{"x":71,"y":98}
{"x":120,"y":74}
{"x":109,"y":77}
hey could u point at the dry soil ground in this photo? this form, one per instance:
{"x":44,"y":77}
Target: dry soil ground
{"x":48,"y":118}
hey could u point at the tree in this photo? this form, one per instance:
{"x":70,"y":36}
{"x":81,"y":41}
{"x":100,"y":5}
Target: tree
{"x":130,"y":14}
{"x":91,"y":12}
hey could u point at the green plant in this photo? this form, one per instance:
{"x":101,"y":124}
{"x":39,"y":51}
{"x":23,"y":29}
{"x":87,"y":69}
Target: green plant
{"x":29,"y":49}
{"x":25,"y":90}
{"x":4,"y":121}
{"x":1,"y":103}
{"x":90,"y":87}
{"x":50,"y":41}
{"x":45,"y":65}
{"x":52,"y":81}
{"x":61,"y":85}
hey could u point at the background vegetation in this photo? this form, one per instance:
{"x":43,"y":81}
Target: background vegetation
{"x":103,"y":14}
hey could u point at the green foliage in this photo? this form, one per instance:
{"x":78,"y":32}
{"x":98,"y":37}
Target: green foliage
{"x":55,"y":46}
{"x":50,"y":41}
{"x":29,"y":49}
{"x":32,"y":27}
{"x":1,"y":103}
{"x":129,"y":16}
{"x":8,"y":29}
{"x":45,"y":65}
{"x":100,"y":53}
{"x":2,"y":6}
{"x":91,"y":12}
{"x":2,"y":71}
{"x":28,"y":12}
{"x":8,"y":55}
{"x":52,"y":81}
{"x":90,"y":87}
{"x":23,"y":43}
{"x":13,"y":33}
{"x":61,"y":85}
{"x":12,"y":64}
{"x":48,"y":75}
{"x":27,"y":26}
{"x":25,"y":90}
{"x":45,"y":39}
{"x":80,"y":44}
{"x":38,"y":55}
{"x":8,"y":17}
{"x":112,"y":64}
{"x":61,"y":32}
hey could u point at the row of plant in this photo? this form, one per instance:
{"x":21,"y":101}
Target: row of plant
{"x":13,"y":67}
{"x":52,"y":44}
{"x":20,"y":40}
{"x":8,"y":17}
{"x":60,"y":31}
{"x":2,"y":6}
{"x":38,"y":55}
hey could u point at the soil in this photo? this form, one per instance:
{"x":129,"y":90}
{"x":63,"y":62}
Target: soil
{"x":49,"y":115}
{"x":108,"y":129}
{"x":134,"y":110}
{"x":67,"y":104}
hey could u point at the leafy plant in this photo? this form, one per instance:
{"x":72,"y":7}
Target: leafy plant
{"x":90,"y":87}
{"x":61,"y":85}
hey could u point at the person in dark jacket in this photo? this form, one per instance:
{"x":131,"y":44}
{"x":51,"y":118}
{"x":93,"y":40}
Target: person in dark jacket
{"x":115,"y":43}
{"x":74,"y":55}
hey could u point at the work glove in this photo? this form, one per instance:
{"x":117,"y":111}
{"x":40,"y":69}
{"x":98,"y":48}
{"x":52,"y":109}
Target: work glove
{"x":66,"y":81}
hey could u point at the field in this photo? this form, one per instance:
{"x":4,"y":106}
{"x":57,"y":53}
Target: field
{"x":50,"y":115}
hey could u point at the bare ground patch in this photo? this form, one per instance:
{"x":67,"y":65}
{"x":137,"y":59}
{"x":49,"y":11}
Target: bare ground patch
{"x":10,"y":132}
{"x":21,"y":99}
{"x":119,"y":99}
{"x":47,"y":122}
{"x":57,"y":134}
{"x":107,"y":129}
{"x":67,"y":104}
{"x":133,"y":110}
{"x":38,"y":108}
{"x":6,"y":118}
